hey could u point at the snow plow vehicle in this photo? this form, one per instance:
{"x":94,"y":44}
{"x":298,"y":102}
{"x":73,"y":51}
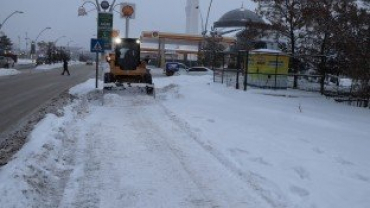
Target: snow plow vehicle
{"x":126,"y":69}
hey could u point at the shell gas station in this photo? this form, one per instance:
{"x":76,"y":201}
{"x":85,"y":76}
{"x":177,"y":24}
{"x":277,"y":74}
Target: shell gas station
{"x":162,"y":47}
{"x":173,"y":46}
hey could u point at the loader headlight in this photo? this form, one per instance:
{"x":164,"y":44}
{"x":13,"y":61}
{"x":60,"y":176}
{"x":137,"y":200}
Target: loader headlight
{"x":118,"y":40}
{"x":138,"y":41}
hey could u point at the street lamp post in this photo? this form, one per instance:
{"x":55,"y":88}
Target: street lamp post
{"x":204,"y":29}
{"x":68,"y":48}
{"x":35,"y":42}
{"x":16,"y":12}
{"x":69,"y":43}
{"x":209,"y":9}
{"x":56,"y":40}
{"x":37,"y":37}
{"x":98,"y":6}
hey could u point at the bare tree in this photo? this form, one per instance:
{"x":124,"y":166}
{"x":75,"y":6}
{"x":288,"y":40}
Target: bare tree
{"x":322,"y":26}
{"x":353,"y":45}
{"x":209,"y":53}
{"x":286,"y":17}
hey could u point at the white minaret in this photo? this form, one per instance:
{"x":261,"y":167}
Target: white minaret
{"x":192,"y":16}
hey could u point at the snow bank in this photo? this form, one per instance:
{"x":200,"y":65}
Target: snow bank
{"x":6,"y":72}
{"x":45,"y":67}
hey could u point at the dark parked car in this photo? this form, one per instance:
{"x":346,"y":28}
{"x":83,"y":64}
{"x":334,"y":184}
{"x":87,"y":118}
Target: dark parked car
{"x":89,"y":62}
{"x":198,"y":69}
{"x":42,"y":60}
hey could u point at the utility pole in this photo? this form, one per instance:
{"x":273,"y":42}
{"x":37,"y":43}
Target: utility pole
{"x":19,"y":44}
{"x":26,"y":39}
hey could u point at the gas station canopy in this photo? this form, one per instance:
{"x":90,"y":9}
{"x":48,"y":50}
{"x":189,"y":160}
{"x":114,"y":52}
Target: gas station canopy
{"x":177,"y":38}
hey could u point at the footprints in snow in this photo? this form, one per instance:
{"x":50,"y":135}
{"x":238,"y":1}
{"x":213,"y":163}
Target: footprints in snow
{"x":241,"y":156}
{"x":301,"y":172}
{"x":299,"y":191}
{"x":240,"y":153}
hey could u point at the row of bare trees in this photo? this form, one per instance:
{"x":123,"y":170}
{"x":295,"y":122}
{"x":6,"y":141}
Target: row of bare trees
{"x":331,"y":36}
{"x":53,"y":53}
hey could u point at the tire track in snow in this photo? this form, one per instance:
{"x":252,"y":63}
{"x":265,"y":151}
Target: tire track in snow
{"x":81,"y":191}
{"x":163,"y":163}
{"x":154,"y":138}
{"x":162,"y":140}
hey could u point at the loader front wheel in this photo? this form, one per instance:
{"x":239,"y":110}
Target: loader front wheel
{"x":149,"y":90}
{"x":108,"y":78}
{"x":148,"y":79}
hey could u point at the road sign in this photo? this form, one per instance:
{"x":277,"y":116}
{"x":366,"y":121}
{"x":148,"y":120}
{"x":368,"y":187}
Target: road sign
{"x":105,"y":27}
{"x":104,"y":5}
{"x":96,"y":45}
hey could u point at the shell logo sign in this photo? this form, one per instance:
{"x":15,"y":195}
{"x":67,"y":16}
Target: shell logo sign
{"x":155,"y":34}
{"x":128,"y":10}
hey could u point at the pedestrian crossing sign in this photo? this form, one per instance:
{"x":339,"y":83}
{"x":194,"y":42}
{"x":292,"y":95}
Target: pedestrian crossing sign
{"x":96,"y":45}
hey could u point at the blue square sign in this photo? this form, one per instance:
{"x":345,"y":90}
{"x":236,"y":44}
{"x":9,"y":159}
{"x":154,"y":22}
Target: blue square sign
{"x":96,"y":45}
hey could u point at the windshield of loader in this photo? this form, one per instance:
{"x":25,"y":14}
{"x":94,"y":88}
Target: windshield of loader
{"x":128,"y":54}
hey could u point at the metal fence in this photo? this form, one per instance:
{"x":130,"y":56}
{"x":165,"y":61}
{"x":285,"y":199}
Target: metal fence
{"x":340,"y":89}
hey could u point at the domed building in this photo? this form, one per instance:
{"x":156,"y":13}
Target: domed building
{"x":267,"y":65}
{"x":238,"y":18}
{"x":245,"y":23}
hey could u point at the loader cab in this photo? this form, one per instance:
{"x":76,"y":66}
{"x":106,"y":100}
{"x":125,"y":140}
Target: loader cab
{"x":126,"y":69}
{"x":127,"y":54}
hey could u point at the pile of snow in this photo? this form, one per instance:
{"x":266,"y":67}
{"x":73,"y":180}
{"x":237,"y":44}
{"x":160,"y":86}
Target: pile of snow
{"x":6,"y":72}
{"x":198,"y":144}
{"x":46,"y":67}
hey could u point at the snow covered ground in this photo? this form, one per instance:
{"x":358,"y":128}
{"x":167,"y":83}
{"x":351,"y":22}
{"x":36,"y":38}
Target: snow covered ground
{"x":24,"y":61}
{"x":7,"y":72}
{"x":198,"y":144}
{"x":44,"y":67}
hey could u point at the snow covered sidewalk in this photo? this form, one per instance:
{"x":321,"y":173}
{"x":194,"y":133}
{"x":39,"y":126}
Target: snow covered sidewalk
{"x":198,"y":144}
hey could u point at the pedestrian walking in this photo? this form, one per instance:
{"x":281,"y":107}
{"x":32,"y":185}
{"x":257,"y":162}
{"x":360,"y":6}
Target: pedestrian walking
{"x":65,"y":66}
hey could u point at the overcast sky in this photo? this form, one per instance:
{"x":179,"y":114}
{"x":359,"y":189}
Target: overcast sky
{"x":61,"y":16}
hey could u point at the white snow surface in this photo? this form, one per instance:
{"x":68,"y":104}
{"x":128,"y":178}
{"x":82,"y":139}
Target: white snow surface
{"x":7,"y":72}
{"x":46,"y":67}
{"x":24,"y":61}
{"x":43,"y":67}
{"x":197,"y":144}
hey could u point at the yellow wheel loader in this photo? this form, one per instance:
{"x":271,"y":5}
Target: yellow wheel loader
{"x":126,"y":69}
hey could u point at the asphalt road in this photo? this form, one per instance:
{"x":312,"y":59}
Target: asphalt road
{"x":24,"y":93}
